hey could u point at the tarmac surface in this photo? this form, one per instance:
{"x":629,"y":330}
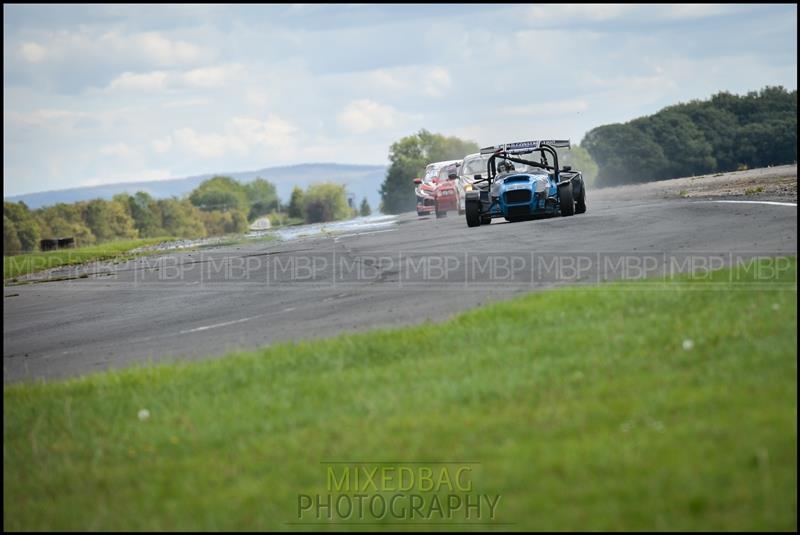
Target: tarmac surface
{"x":403,"y":271}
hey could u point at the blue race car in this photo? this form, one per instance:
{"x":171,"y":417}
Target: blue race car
{"x":530,"y":189}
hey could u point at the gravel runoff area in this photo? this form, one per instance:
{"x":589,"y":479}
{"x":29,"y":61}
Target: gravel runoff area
{"x":768,"y":183}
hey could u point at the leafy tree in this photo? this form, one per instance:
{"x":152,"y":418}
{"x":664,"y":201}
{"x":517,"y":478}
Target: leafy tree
{"x":146,"y":217}
{"x":683,"y":144}
{"x":124,"y":200}
{"x":220,"y":193}
{"x":624,"y":154}
{"x":16,"y":212}
{"x":121,"y":223}
{"x":365,"y":208}
{"x":768,"y":143}
{"x":96,"y":217}
{"x":109,"y":220}
{"x":217,"y":223}
{"x":181,"y":218}
{"x":63,"y":220}
{"x":29,"y":234}
{"x":296,"y":203}
{"x":325,"y":202}
{"x":239,"y":222}
{"x":25,"y":225}
{"x":11,"y":243}
{"x":262,"y":196}
{"x":723,"y":133}
{"x":757,"y":106}
{"x":408,"y":157}
{"x":716,"y":125}
{"x":407,"y":162}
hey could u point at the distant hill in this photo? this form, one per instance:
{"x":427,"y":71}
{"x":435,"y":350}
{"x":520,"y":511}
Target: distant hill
{"x":361,"y":180}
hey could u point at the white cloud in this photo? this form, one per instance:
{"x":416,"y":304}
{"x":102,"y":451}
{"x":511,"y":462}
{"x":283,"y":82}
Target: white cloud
{"x":119,"y":150}
{"x":187,"y":103}
{"x":241,"y":136}
{"x":362,"y":116}
{"x":52,"y":119}
{"x":272,"y":133}
{"x":206,"y":145}
{"x":256,"y":97}
{"x":417,"y":80}
{"x":161,"y":50}
{"x":437,"y":82}
{"x":202,"y":78}
{"x":115,"y":47}
{"x":215,"y":76}
{"x":150,"y":81}
{"x":163,"y":145}
{"x":566,"y":14}
{"x":42,"y":117}
{"x":32,"y":52}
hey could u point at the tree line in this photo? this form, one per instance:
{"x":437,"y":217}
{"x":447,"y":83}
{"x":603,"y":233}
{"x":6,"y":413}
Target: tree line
{"x":724,"y":133}
{"x":218,"y":206}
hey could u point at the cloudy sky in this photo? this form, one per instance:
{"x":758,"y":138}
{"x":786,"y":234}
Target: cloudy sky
{"x":100,"y":94}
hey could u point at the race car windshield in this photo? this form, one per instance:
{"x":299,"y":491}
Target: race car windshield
{"x":520,"y":167}
{"x":444,"y":172}
{"x":430,"y":174}
{"x":475,"y":167}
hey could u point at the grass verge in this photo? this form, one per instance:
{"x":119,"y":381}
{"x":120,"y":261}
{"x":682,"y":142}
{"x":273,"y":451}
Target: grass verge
{"x":24,"y":264}
{"x":620,"y":407}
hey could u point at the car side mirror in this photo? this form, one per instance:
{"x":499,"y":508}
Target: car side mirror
{"x":567,"y":168}
{"x":477,"y":177}
{"x":417,"y":181}
{"x":452,"y":176}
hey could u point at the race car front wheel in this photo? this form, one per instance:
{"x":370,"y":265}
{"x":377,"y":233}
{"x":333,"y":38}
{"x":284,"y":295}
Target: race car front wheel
{"x":565,"y":201}
{"x":472,"y":210}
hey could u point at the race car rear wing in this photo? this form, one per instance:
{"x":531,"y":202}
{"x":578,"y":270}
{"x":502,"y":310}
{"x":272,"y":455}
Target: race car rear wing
{"x":522,"y":147}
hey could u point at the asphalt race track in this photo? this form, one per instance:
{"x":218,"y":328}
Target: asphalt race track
{"x":209,"y":302}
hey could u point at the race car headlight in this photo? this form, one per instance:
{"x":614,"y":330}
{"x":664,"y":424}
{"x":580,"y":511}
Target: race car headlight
{"x":468,"y":187}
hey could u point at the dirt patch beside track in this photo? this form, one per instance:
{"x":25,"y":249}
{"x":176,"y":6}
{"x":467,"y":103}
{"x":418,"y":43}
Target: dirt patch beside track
{"x":773,"y":183}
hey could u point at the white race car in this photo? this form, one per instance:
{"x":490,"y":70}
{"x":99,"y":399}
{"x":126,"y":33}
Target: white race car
{"x":473,"y":168}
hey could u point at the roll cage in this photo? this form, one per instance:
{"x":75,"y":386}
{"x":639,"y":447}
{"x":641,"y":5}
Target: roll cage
{"x":513,"y":152}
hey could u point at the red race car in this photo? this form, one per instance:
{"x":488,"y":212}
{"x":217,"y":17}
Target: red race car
{"x":436,"y":193}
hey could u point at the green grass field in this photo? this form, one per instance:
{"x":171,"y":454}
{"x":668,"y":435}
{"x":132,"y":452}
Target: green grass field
{"x":23,"y":264}
{"x":629,"y":406}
